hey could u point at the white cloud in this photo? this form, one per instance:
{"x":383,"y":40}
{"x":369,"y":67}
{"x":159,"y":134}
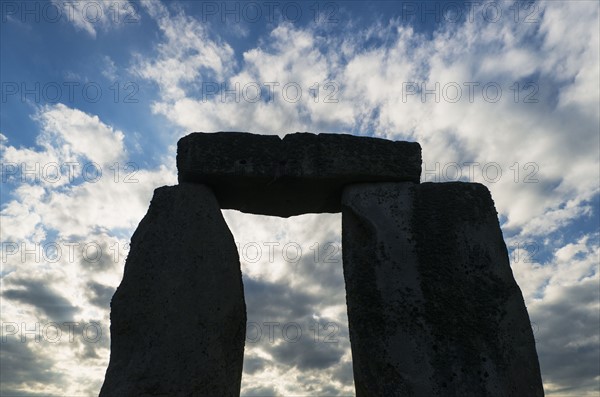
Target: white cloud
{"x":374,"y":98}
{"x":563,"y":302}
{"x":93,"y":15}
{"x":80,"y":133}
{"x":109,"y":70}
{"x":63,"y":249}
{"x":19,"y":221}
{"x":189,"y":54}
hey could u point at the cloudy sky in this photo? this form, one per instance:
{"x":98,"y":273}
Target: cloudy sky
{"x":95,"y":95}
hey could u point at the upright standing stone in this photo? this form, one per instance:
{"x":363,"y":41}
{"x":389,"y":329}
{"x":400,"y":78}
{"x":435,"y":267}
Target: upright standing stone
{"x":178,"y":319}
{"x":433,"y":307}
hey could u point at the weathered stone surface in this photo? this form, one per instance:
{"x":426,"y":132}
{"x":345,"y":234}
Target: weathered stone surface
{"x":433,"y":307}
{"x":178,"y":319}
{"x":301,"y":173}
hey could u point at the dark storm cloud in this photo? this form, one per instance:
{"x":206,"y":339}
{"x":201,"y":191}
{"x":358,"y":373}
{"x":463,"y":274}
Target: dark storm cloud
{"x":254,"y":364}
{"x":566,"y":333}
{"x":317,"y":383}
{"x":266,"y":300}
{"x":39,"y":295}
{"x":260,"y":391}
{"x":99,"y":294}
{"x":278,"y":300}
{"x":308,"y":353}
{"x":98,"y":254}
{"x":94,"y":336}
{"x":329,"y":390}
{"x":317,"y":285}
{"x":328,"y":271}
{"x":20,"y":368}
{"x":343,"y":373}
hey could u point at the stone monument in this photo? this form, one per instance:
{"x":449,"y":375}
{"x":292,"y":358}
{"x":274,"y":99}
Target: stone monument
{"x":433,"y":307}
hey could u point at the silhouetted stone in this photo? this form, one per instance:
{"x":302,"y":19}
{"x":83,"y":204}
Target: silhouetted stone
{"x":178,"y":319}
{"x":303,"y":172}
{"x":433,"y":307}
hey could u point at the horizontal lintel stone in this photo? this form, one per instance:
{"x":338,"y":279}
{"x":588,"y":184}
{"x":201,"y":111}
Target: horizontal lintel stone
{"x":299,"y":173}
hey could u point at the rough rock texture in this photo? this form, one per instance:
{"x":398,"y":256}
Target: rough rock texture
{"x":178,"y":319}
{"x":303,"y":172}
{"x":433,"y":307}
